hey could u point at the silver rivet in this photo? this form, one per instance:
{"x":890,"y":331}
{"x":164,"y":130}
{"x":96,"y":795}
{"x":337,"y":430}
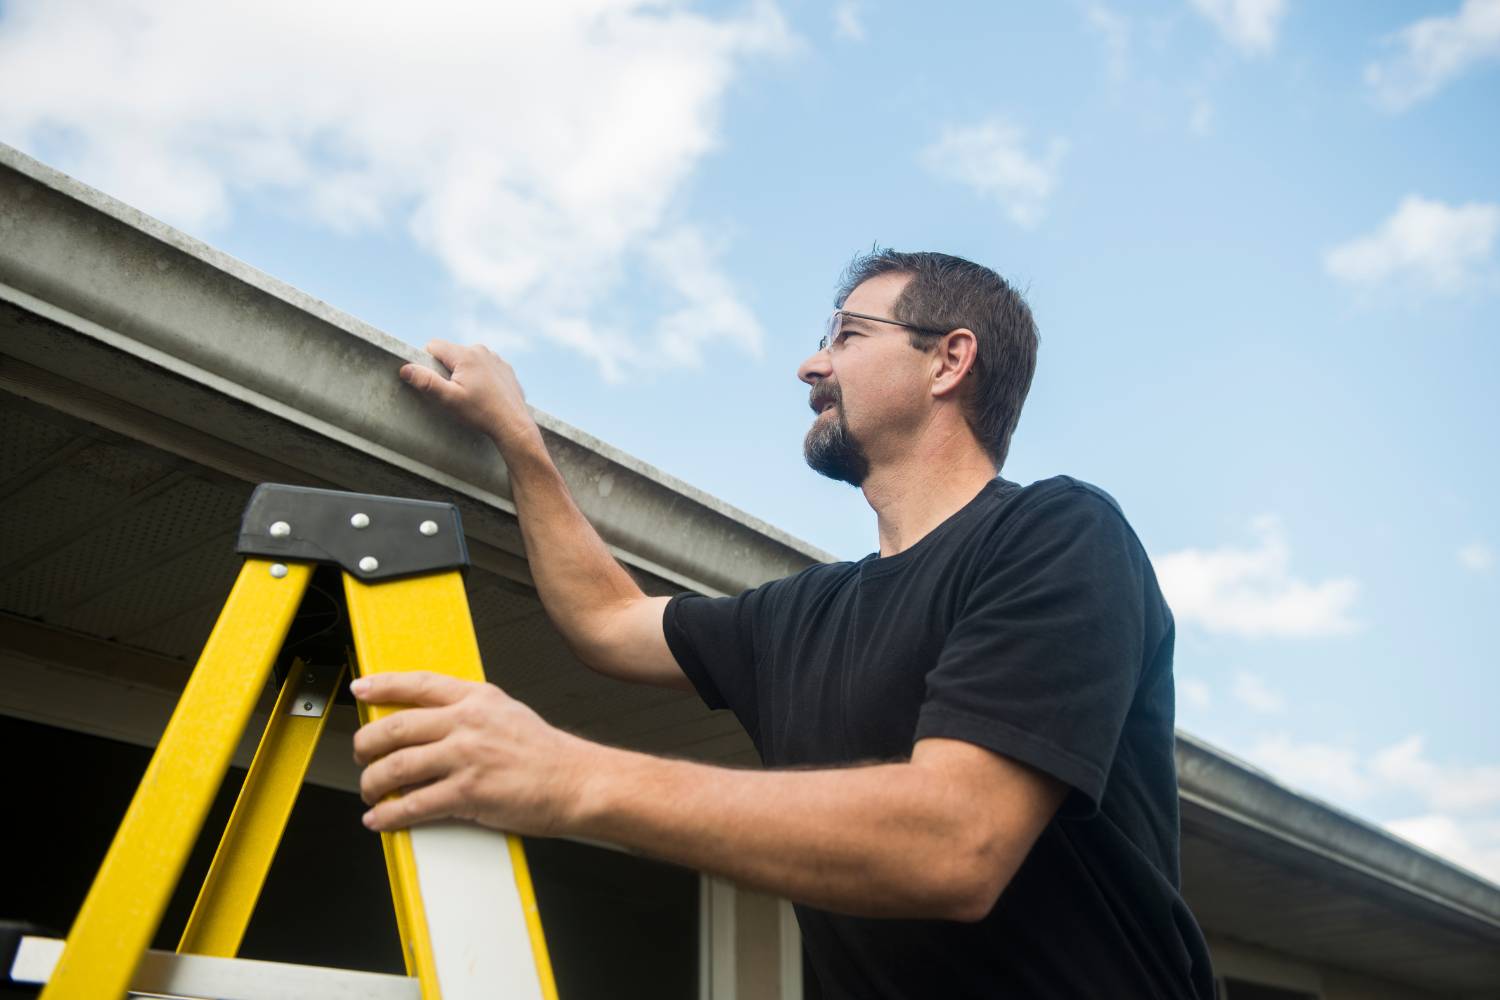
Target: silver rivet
{"x":278,"y":570}
{"x":280,"y":529}
{"x":360,"y":520}
{"x":369,"y":564}
{"x":428,"y":527}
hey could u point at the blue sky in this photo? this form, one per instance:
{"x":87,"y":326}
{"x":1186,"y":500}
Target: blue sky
{"x":1259,"y":238}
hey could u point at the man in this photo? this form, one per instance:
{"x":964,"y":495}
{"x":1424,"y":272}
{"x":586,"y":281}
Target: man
{"x":971,"y":788}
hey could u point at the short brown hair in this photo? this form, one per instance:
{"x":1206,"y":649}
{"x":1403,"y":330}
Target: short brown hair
{"x":946,"y":293}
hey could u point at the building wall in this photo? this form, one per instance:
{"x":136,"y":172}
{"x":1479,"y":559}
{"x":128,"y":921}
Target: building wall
{"x":757,"y":954}
{"x":751,"y":949}
{"x":1239,"y":962}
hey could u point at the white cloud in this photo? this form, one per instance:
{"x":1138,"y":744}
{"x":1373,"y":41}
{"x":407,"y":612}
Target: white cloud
{"x":533,"y":149}
{"x":1252,"y":691}
{"x":684,"y":261}
{"x":1323,"y":769}
{"x":847,"y":22}
{"x":990,"y":157}
{"x":1459,"y":816}
{"x":1194,"y":692}
{"x":1250,"y":25}
{"x":1477,"y":556}
{"x":1431,"y":52}
{"x":1113,"y":28}
{"x":1201,"y":120}
{"x":1462,"y":821}
{"x":1474,"y":844}
{"x":1465,"y":789}
{"x":1437,"y":247}
{"x":1251,"y":591}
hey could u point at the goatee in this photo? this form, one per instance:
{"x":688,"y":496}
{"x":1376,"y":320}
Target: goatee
{"x":830,"y":448}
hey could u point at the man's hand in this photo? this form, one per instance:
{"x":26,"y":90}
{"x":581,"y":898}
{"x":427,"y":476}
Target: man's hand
{"x":483,"y":391}
{"x":465,"y":750}
{"x":599,"y":609}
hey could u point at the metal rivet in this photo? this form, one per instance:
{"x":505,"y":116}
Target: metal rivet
{"x":307,"y":706}
{"x":278,"y":570}
{"x":428,"y":527}
{"x":280,"y":529}
{"x":369,"y":564}
{"x":360,"y":520}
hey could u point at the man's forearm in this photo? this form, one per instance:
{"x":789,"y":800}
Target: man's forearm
{"x":877,"y":840}
{"x":937,"y":836}
{"x":574,"y":572}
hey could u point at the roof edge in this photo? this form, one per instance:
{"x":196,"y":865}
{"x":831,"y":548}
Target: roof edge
{"x":112,"y":273}
{"x":1231,"y":788}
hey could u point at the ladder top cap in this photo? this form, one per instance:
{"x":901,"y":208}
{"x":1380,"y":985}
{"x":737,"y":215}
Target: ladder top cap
{"x":369,"y":537}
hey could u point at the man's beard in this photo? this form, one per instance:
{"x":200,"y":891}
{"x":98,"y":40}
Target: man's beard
{"x":830,"y":448}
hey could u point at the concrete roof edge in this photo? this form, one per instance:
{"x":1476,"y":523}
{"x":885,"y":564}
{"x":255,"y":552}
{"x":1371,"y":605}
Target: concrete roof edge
{"x":155,"y":291}
{"x":1217,"y":780}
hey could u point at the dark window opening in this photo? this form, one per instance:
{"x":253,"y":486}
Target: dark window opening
{"x":617,"y":926}
{"x":1244,"y":989}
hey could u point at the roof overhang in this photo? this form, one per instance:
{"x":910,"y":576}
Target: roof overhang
{"x":1275,"y":868}
{"x":202,"y":355}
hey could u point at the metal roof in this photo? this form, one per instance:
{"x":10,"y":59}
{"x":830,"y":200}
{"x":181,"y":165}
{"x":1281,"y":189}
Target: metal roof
{"x":148,"y":381}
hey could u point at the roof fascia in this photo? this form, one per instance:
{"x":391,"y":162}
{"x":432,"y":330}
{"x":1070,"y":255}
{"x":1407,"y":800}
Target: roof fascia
{"x":120,"y":280}
{"x":1251,"y":801}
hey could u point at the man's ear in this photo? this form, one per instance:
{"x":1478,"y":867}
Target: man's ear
{"x":954,"y":357}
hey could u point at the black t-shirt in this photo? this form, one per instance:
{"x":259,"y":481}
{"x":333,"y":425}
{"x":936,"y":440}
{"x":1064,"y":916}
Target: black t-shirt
{"x":1029,"y":623}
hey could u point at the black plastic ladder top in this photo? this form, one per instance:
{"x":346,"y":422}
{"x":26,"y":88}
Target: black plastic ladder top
{"x":369,"y":537}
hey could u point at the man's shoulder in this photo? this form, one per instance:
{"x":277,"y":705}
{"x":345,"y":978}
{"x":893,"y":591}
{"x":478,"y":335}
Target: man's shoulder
{"x":1053,"y":514}
{"x":1057,"y":496}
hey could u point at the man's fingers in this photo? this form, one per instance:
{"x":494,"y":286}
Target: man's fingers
{"x":408,"y":727}
{"x":405,"y":768}
{"x":411,"y":687}
{"x":427,"y":381}
{"x":435,"y":801}
{"x":445,"y":351}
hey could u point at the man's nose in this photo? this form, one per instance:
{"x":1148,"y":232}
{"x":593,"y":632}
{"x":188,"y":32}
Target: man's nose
{"x":815,"y":368}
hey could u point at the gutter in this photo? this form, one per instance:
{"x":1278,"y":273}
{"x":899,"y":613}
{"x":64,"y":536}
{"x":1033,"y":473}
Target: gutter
{"x":1230,"y":797}
{"x":161,"y":325}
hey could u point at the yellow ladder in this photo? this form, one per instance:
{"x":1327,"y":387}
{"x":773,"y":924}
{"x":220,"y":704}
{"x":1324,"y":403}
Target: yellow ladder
{"x":465,"y":907}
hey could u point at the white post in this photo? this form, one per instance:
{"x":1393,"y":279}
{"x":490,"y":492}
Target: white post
{"x":790,"y":952}
{"x":716,"y":937}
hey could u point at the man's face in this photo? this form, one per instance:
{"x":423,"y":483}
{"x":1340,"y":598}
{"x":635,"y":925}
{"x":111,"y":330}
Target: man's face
{"x":830,"y":448}
{"x":867,"y":388}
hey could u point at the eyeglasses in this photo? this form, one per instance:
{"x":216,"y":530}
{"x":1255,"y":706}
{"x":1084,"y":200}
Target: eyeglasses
{"x":836,"y":325}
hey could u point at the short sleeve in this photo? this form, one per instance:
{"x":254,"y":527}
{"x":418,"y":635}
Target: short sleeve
{"x":1044,"y":659}
{"x":714,"y":641}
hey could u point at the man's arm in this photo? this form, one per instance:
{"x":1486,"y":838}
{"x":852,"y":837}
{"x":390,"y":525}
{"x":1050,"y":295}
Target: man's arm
{"x":939,"y":836}
{"x":604,"y":617}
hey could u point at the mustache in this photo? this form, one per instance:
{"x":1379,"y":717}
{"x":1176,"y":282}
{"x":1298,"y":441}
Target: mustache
{"x":823,"y":393}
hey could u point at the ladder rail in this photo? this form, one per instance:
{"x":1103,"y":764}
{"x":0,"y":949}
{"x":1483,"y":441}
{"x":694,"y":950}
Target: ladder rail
{"x":238,"y":873}
{"x":126,"y":901}
{"x":459,"y":879}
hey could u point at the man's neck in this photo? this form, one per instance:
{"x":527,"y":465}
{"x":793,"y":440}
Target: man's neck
{"x":915,"y":494}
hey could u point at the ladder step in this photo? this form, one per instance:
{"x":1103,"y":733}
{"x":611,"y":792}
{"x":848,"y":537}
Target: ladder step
{"x":165,"y":973}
